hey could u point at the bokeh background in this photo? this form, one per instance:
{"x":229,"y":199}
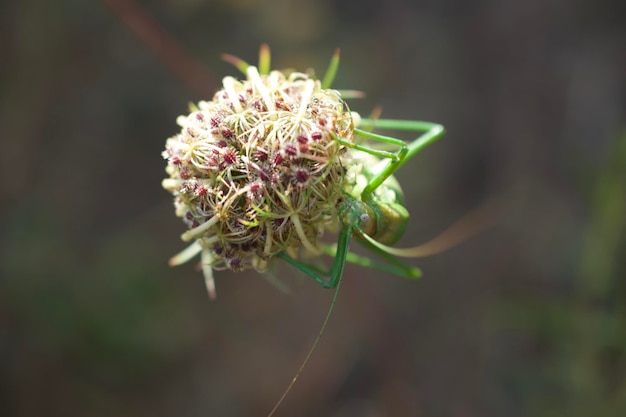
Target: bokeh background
{"x":526,"y":319}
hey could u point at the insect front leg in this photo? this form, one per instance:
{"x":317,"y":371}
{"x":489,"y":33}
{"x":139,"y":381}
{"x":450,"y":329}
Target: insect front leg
{"x":432,"y":132}
{"x":336,"y":270}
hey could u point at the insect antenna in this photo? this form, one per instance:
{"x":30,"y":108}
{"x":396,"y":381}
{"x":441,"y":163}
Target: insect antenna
{"x":311,"y":350}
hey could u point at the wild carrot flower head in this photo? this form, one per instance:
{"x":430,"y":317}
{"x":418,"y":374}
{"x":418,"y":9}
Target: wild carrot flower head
{"x":257,"y":170}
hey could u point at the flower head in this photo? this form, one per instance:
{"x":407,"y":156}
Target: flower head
{"x":257,"y":170}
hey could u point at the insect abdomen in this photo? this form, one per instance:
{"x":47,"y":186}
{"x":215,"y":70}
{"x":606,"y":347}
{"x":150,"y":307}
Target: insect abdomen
{"x":391,"y":221}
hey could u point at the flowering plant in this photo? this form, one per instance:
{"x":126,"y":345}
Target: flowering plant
{"x":259,"y":169}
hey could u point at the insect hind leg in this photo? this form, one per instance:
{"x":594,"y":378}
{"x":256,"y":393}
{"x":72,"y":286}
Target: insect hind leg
{"x":392,"y":265}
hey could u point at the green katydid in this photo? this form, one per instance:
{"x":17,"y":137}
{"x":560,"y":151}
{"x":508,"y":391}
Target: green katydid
{"x":376,"y":217}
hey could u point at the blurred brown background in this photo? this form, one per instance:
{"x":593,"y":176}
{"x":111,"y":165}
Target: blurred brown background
{"x":527,"y":319}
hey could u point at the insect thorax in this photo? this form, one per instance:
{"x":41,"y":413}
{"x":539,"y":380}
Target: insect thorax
{"x":388,"y":216}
